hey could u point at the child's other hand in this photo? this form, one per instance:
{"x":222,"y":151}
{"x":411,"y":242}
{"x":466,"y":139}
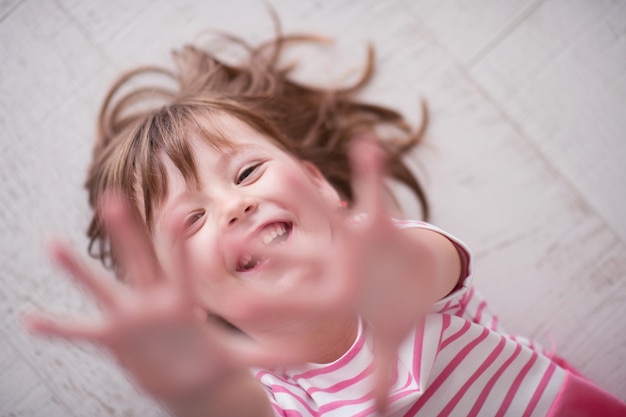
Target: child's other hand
{"x":385,"y":263}
{"x":372,"y":267}
{"x":149,"y":323}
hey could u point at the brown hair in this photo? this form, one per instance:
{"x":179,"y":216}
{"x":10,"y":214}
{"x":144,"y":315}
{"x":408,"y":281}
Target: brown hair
{"x":137,"y":126}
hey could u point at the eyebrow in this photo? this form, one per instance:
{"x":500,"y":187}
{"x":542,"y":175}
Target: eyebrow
{"x":224,"y":155}
{"x":161,"y":210}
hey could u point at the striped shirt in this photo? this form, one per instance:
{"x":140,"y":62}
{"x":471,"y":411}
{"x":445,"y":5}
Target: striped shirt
{"x":456,"y":362}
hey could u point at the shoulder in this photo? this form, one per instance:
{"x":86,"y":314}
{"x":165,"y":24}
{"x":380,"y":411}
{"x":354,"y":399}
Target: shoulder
{"x":457,"y":251}
{"x":463,"y":250}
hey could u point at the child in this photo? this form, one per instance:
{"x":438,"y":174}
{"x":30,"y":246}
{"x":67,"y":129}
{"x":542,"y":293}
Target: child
{"x":246,"y":215}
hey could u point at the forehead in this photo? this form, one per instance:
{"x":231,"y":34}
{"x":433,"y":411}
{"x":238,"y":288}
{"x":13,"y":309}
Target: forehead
{"x":236,"y":138}
{"x":240,"y":134}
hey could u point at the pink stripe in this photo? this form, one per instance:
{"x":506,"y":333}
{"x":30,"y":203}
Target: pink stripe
{"x":486,"y":364}
{"x":338,"y":404}
{"x":438,"y":382}
{"x":508,"y":399}
{"x":540,"y":390}
{"x":343,"y":384}
{"x":396,"y":397}
{"x":418,"y":345}
{"x":455,"y":336}
{"x":494,"y":323}
{"x":280,"y":411}
{"x":341,"y":362}
{"x":479,"y":311}
{"x":364,"y":399}
{"x":281,"y":389}
{"x":286,"y":413}
{"x":446,"y":306}
{"x":281,"y":379}
{"x":259,"y":375}
{"x":393,"y":398}
{"x":489,"y":386}
{"x":465,"y":301}
{"x":451,"y":309}
{"x":446,"y":322}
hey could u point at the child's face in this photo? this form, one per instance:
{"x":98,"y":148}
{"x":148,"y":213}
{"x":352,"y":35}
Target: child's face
{"x":252,"y":198}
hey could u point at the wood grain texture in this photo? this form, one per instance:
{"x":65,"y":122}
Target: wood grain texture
{"x":6,"y":6}
{"x":551,"y":180}
{"x":469,"y":29}
{"x":580,"y":48}
{"x":522,"y":159}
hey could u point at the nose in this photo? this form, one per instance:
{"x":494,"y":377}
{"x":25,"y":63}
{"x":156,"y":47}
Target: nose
{"x":239,"y":209}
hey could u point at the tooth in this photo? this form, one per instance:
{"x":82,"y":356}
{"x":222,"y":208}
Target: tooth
{"x":267,"y":239}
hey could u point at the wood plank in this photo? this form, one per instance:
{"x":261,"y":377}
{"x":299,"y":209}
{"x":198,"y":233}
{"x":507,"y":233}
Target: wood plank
{"x":560,"y":77}
{"x":21,"y":390}
{"x":41,"y":174}
{"x":467,"y":29}
{"x":7,"y":6}
{"x":44,"y":58}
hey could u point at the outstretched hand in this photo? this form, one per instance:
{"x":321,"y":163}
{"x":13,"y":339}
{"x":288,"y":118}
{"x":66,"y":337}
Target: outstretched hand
{"x":386,"y":265}
{"x":372,"y":267}
{"x":149,"y":323}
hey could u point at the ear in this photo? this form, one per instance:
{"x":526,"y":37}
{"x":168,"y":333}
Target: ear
{"x":320,"y":181}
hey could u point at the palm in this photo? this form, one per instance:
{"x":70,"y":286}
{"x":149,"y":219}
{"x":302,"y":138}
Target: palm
{"x":366,"y":269}
{"x":149,"y":323}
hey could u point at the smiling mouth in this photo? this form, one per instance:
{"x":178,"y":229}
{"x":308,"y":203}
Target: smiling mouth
{"x":274,"y":234}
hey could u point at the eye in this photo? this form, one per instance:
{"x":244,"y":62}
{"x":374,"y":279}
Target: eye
{"x":193,"y":220}
{"x":243,"y":175}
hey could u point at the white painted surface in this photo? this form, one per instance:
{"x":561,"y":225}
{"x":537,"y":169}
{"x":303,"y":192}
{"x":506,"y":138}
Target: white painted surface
{"x":524,"y":158}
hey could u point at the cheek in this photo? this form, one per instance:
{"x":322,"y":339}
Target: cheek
{"x":301,"y":185}
{"x":207,"y":282}
{"x":204,"y":257}
{"x":205,"y":264}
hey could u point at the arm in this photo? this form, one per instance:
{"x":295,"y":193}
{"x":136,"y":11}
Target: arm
{"x":436,"y":250}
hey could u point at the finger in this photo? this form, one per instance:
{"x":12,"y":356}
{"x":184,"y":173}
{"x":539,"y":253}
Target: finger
{"x":367,"y":159}
{"x":182,"y":278}
{"x":246,"y":352}
{"x":385,"y":360}
{"x":70,"y":329}
{"x":319,"y":201}
{"x":102,"y":290}
{"x":129,"y":238}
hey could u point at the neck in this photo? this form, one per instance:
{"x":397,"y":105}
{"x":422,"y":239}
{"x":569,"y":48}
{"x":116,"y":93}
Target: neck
{"x":333,"y":339}
{"x":324,"y":340}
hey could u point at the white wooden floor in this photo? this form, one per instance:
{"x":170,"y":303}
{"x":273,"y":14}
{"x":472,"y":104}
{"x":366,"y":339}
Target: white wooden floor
{"x":525,"y":158}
